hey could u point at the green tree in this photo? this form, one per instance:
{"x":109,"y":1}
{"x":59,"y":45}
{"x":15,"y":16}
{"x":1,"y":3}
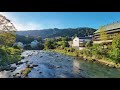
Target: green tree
{"x":7,"y":38}
{"x":75,"y":35}
{"x":103,"y":34}
{"x":116,"y":42}
{"x":39,"y":39}
{"x":65,"y":44}
{"x":49,"y":44}
{"x":114,"y":53}
{"x":89,"y":44}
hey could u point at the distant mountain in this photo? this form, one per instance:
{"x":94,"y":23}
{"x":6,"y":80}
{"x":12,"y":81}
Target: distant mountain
{"x":51,"y":33}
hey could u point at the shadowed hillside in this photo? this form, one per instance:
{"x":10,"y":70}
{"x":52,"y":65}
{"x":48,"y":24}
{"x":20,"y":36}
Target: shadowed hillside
{"x":50,"y":33}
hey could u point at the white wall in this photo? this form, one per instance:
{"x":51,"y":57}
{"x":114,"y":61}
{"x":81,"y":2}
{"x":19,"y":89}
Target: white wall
{"x":76,"y":41}
{"x":84,"y":40}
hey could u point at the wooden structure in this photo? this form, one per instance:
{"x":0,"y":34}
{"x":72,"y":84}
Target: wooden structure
{"x":111,"y":30}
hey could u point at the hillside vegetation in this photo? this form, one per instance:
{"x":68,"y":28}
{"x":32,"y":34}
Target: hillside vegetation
{"x":51,"y":33}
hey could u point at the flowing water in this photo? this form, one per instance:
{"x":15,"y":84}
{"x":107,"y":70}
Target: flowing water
{"x":55,"y":65}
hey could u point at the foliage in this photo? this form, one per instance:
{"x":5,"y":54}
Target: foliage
{"x":49,"y":44}
{"x":116,"y":42}
{"x":89,"y":44}
{"x":7,"y":38}
{"x":13,"y":51}
{"x":40,"y":46}
{"x":26,"y":71}
{"x":52,"y":33}
{"x":27,"y":47}
{"x":17,"y":47}
{"x":65,"y":44}
{"x":12,"y":59}
{"x":9,"y":55}
{"x":114,"y":53}
{"x":103,"y":34}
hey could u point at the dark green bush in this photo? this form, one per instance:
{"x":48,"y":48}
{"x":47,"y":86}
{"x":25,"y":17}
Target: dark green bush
{"x":89,"y":44}
{"x":114,"y":55}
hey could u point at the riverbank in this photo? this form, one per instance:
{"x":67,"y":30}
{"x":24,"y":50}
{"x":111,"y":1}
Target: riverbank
{"x":48,"y":64}
{"x":93,"y":59}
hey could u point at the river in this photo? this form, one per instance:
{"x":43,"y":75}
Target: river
{"x":54,"y":65}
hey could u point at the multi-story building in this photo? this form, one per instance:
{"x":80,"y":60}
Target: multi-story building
{"x":111,"y":30}
{"x":79,"y":42}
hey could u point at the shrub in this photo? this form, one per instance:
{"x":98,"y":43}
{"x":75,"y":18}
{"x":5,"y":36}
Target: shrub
{"x":26,"y":71}
{"x":12,"y":51}
{"x":86,"y":52}
{"x":114,"y":52}
{"x":9,"y":55}
{"x":72,"y":49}
{"x":49,"y":44}
{"x":116,"y":42}
{"x":12,"y":59}
{"x":28,"y":47}
{"x":17,"y":47}
{"x":89,"y":44}
{"x":114,"y":55}
{"x":2,"y":52}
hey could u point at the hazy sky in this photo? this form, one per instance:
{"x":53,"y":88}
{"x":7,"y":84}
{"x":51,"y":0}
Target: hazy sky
{"x":45,"y":20}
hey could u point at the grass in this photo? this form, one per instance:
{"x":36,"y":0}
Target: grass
{"x":62,"y":51}
{"x":76,"y":53}
{"x":9,"y":56}
{"x":26,"y":71}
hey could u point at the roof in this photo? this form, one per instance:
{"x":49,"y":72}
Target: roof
{"x":111,"y":26}
{"x":85,"y":37}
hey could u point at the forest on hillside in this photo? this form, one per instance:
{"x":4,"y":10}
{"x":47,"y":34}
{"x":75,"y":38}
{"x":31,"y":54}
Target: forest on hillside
{"x":51,"y":33}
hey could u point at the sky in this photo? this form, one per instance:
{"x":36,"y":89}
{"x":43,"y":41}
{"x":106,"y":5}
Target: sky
{"x":46,"y":20}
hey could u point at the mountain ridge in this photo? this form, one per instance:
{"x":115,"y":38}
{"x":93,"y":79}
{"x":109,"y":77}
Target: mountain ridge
{"x":55,"y":32}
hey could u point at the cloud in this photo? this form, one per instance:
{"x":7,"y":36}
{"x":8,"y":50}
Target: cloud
{"x":22,"y":25}
{"x":28,"y":26}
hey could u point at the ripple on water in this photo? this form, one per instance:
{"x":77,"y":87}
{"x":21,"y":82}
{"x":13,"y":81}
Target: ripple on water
{"x":54,"y":65}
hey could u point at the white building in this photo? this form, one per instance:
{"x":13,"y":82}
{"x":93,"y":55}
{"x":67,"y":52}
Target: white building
{"x":79,"y":42}
{"x":34,"y":43}
{"x":76,"y":41}
{"x":84,"y":39}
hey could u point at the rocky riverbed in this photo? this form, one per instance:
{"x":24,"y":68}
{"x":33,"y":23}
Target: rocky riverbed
{"x":45,"y":64}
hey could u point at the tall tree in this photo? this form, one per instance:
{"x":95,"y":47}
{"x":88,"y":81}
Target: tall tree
{"x":49,"y":44}
{"x":7,"y":38}
{"x":103,"y":34}
{"x":7,"y":30}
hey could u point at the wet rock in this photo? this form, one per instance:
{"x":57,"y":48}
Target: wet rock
{"x":57,"y":56}
{"x":26,"y":61}
{"x":19,"y":63}
{"x":22,"y":57}
{"x":41,"y":56}
{"x":80,"y":69}
{"x":28,"y":66}
{"x":31,"y":63}
{"x":17,"y":75}
{"x":40,"y":72}
{"x":12,"y":68}
{"x":93,"y":60}
{"x":13,"y":65}
{"x":29,"y":55}
{"x":86,"y":59}
{"x":25,"y":72}
{"x":111,"y":66}
{"x":34,"y":65}
{"x":58,"y":66}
